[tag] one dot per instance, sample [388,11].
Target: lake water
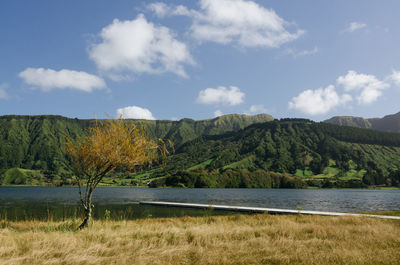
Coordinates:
[61,202]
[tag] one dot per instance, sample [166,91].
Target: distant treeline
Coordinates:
[230,178]
[243,178]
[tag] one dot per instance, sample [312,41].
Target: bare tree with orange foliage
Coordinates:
[112,145]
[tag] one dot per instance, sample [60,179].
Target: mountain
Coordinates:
[36,142]
[187,129]
[350,121]
[228,151]
[317,154]
[389,123]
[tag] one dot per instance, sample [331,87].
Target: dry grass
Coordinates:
[239,239]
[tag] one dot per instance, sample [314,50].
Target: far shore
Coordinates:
[168,187]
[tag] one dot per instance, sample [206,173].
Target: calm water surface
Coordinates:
[41,201]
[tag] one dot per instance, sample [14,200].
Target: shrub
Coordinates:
[15,176]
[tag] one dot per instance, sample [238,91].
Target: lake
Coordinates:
[61,202]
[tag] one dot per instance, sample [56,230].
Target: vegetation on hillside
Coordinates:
[220,152]
[320,154]
[36,142]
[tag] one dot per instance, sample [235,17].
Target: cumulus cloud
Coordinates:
[226,96]
[135,112]
[241,22]
[354,26]
[48,79]
[365,88]
[319,101]
[395,77]
[218,113]
[138,46]
[369,95]
[355,81]
[256,109]
[371,88]
[3,91]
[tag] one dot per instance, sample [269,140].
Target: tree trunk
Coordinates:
[88,214]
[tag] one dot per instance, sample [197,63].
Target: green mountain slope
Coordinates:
[350,121]
[315,152]
[228,151]
[389,123]
[36,142]
[187,129]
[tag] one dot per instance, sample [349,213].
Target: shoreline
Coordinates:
[167,187]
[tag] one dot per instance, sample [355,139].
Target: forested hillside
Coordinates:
[228,151]
[306,153]
[36,142]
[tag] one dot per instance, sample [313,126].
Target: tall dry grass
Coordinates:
[239,239]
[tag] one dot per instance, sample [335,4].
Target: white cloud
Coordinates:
[244,22]
[371,87]
[369,95]
[395,77]
[159,8]
[135,112]
[355,81]
[48,79]
[295,53]
[162,10]
[3,91]
[355,26]
[221,95]
[138,46]
[234,21]
[319,101]
[218,113]
[365,88]
[256,109]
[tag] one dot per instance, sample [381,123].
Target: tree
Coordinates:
[106,147]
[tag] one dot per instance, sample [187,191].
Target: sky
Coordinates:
[199,59]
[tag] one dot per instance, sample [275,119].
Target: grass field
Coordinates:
[238,239]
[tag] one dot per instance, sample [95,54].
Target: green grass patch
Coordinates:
[304,173]
[201,165]
[299,173]
[244,163]
[331,171]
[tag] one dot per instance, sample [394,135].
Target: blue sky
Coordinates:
[199,59]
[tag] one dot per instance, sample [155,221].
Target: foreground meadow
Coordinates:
[237,239]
